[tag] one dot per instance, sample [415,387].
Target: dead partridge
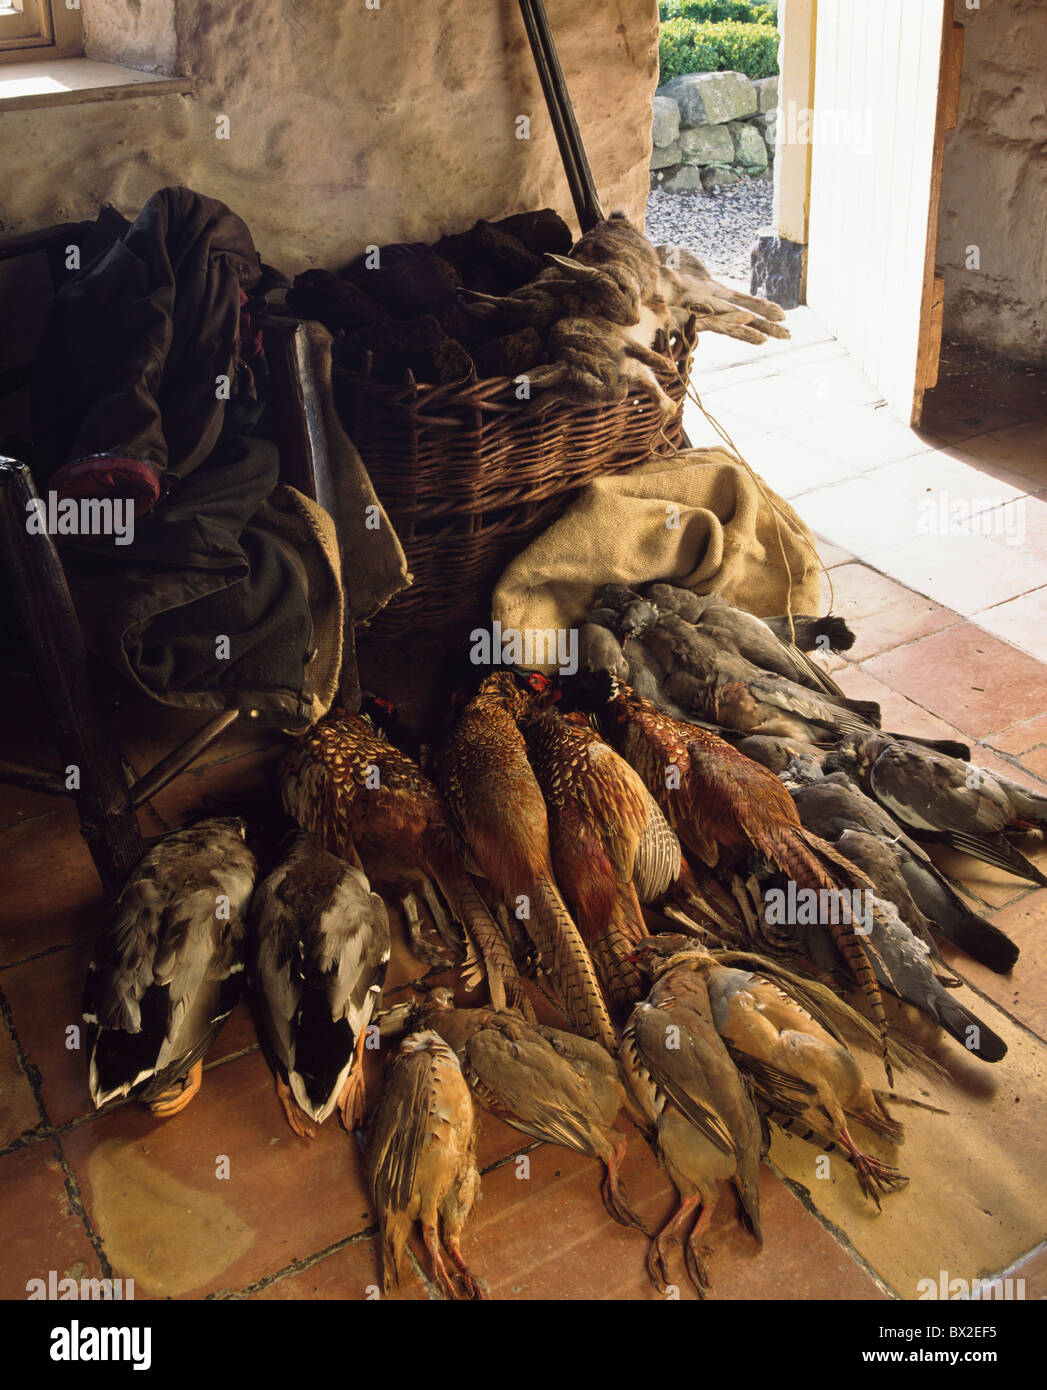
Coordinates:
[708,1129]
[797,1067]
[559,1094]
[421,1160]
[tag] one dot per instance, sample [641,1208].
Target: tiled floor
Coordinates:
[951,637]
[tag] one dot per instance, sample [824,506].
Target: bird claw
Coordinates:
[178,1096]
[657,1267]
[296,1117]
[699,1275]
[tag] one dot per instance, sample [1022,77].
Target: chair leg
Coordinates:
[45,607]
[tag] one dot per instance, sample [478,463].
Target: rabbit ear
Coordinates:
[576,268]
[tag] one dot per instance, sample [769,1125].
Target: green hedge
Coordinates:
[689,45]
[748,11]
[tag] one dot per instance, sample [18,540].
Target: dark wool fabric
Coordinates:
[128,370]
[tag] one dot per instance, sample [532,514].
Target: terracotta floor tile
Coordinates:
[41,1230]
[900,714]
[349,1273]
[980,683]
[1036,762]
[832,554]
[45,999]
[54,895]
[152,731]
[965,572]
[1021,523]
[882,613]
[549,1237]
[166,1219]
[953,412]
[1034,1272]
[1022,448]
[860,514]
[949,490]
[983,884]
[1023,993]
[1022,622]
[1020,737]
[838,379]
[862,437]
[974,1202]
[19,1112]
[793,469]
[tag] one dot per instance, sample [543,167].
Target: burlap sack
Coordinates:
[697,519]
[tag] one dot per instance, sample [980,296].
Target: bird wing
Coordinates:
[352,949]
[933,792]
[618,801]
[278,967]
[658,856]
[531,1086]
[399,1130]
[685,1072]
[807,705]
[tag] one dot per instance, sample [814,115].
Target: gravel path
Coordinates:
[719,226]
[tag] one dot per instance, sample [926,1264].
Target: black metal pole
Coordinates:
[561,112]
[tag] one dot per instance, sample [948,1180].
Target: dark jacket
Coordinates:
[140,352]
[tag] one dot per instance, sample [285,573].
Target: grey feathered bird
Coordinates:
[168,967]
[834,808]
[321,949]
[946,798]
[902,964]
[719,684]
[734,630]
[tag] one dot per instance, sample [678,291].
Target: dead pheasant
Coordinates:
[598,812]
[497,804]
[724,807]
[365,800]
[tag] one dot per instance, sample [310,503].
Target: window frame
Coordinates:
[54,31]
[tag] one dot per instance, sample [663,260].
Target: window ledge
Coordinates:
[70,81]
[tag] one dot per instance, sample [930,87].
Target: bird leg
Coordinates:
[741,896]
[352,1100]
[439,1270]
[178,1096]
[473,1287]
[440,918]
[420,947]
[657,1266]
[614,1197]
[299,1121]
[694,1250]
[872,1173]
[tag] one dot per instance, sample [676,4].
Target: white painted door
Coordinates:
[874,187]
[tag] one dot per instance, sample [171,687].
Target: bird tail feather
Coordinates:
[569,963]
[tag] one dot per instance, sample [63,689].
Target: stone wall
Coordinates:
[711,128]
[349,123]
[991,245]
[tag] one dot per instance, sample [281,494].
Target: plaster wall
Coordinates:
[347,125]
[994,189]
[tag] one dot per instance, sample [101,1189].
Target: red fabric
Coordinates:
[108,477]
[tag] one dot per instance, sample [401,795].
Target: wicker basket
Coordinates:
[469,477]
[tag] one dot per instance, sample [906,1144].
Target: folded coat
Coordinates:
[148,384]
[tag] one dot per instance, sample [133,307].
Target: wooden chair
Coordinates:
[106,796]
